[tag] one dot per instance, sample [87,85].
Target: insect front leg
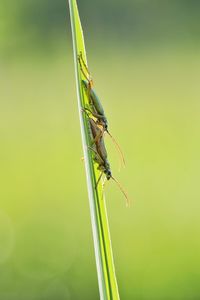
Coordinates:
[94,114]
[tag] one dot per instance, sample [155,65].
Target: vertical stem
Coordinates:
[102,244]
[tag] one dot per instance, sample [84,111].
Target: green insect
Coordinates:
[100,155]
[96,110]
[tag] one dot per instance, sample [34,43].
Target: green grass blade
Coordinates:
[101,236]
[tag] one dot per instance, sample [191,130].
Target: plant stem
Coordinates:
[102,244]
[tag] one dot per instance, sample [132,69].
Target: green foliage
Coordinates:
[138,21]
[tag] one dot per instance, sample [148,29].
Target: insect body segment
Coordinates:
[96,108]
[101,157]
[98,147]
[98,124]
[94,101]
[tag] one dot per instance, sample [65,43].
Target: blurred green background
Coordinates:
[145,60]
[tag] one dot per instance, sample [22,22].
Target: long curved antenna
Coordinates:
[117,147]
[123,191]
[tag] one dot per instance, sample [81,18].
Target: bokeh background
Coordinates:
[145,60]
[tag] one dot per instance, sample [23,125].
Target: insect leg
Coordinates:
[100,162]
[85,109]
[98,180]
[97,116]
[96,139]
[83,72]
[100,132]
[88,76]
[98,157]
[83,62]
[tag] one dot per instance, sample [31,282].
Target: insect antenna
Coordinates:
[123,191]
[118,148]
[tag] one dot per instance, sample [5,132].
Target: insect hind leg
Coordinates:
[82,71]
[82,64]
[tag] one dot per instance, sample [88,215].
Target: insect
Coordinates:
[96,110]
[101,157]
